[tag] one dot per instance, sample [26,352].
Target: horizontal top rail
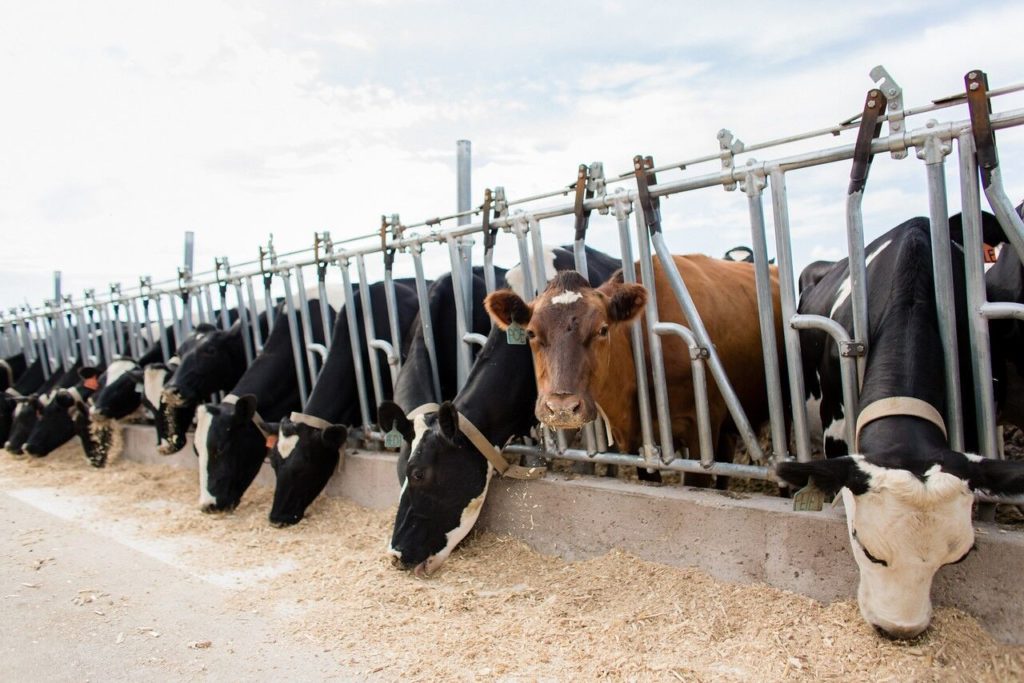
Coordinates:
[409,236]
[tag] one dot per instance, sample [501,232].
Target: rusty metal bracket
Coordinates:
[651,206]
[870,127]
[852,349]
[980,107]
[597,186]
[583,193]
[490,234]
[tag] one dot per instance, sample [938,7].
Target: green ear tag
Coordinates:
[515,335]
[809,499]
[393,439]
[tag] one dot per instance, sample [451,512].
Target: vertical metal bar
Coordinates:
[225,314]
[293,332]
[176,321]
[981,356]
[325,313]
[371,332]
[134,347]
[934,156]
[243,321]
[389,296]
[107,333]
[83,338]
[27,347]
[519,230]
[357,346]
[464,158]
[464,354]
[426,324]
[623,207]
[164,341]
[858,279]
[787,297]
[754,189]
[211,315]
[268,304]
[540,279]
[307,327]
[655,352]
[257,337]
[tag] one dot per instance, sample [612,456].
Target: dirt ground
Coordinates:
[109,574]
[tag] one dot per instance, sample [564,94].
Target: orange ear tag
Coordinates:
[92,384]
[989,252]
[271,441]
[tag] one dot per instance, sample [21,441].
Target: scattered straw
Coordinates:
[499,610]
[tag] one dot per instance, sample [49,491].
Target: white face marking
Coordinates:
[153,384]
[203,419]
[466,522]
[116,369]
[514,277]
[915,527]
[837,432]
[845,287]
[287,444]
[566,297]
[419,427]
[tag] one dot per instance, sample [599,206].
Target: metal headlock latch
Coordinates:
[221,264]
[115,297]
[597,186]
[145,289]
[389,252]
[651,206]
[268,254]
[894,94]
[324,239]
[980,107]
[500,204]
[490,234]
[583,193]
[729,146]
[184,275]
[870,127]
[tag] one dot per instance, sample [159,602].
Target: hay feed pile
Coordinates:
[498,610]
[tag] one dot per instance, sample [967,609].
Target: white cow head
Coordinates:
[906,520]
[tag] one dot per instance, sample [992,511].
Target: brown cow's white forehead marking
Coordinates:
[566,297]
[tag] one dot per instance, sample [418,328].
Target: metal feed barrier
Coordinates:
[65,329]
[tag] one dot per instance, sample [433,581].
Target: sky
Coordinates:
[124,124]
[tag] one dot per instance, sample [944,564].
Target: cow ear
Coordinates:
[245,408]
[999,477]
[87,372]
[448,420]
[334,436]
[625,300]
[828,475]
[505,307]
[390,416]
[64,399]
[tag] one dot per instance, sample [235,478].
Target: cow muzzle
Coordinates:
[563,410]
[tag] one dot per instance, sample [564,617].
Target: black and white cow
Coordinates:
[232,438]
[446,477]
[29,382]
[121,386]
[30,408]
[908,496]
[168,419]
[215,363]
[308,444]
[65,414]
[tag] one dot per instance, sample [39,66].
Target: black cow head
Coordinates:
[230,449]
[443,490]
[203,368]
[304,458]
[120,391]
[171,421]
[906,518]
[26,413]
[56,424]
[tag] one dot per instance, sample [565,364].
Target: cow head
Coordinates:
[231,450]
[120,391]
[204,367]
[304,458]
[56,423]
[904,524]
[171,422]
[26,413]
[444,487]
[569,327]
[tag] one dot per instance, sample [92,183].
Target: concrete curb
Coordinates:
[732,537]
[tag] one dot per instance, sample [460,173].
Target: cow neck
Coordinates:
[335,395]
[415,384]
[499,392]
[271,378]
[616,395]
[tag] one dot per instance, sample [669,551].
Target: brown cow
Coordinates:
[583,356]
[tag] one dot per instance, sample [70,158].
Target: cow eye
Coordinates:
[869,555]
[603,332]
[530,334]
[417,474]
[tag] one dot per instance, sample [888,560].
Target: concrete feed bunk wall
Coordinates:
[734,538]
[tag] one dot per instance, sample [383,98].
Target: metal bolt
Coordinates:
[892,92]
[871,103]
[972,75]
[975,85]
